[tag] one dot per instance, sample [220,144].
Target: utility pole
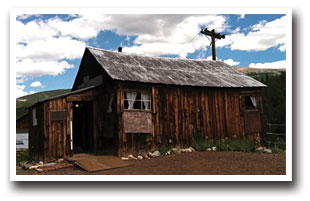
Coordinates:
[214,36]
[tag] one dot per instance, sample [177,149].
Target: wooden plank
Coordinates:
[80,98]
[177,124]
[120,120]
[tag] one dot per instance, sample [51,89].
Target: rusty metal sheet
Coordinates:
[137,122]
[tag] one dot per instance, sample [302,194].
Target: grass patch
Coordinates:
[235,144]
[200,143]
[163,150]
[276,150]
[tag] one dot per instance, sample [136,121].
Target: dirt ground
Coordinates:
[197,163]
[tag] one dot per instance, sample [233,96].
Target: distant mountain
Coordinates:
[25,101]
[248,70]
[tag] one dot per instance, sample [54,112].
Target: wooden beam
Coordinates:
[80,98]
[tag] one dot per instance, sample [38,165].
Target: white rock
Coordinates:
[175,149]
[33,167]
[131,157]
[125,158]
[213,148]
[60,160]
[155,154]
[193,150]
[260,148]
[41,163]
[269,151]
[140,157]
[209,149]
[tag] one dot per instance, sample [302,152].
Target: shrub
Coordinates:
[247,146]
[199,143]
[235,145]
[163,150]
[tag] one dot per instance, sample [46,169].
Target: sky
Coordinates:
[49,48]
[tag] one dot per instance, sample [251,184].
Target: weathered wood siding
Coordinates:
[181,113]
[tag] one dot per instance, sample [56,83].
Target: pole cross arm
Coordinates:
[214,36]
[212,33]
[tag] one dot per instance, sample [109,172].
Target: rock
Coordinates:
[140,157]
[154,154]
[145,155]
[188,150]
[193,150]
[260,149]
[131,157]
[213,148]
[269,151]
[41,163]
[47,165]
[125,158]
[175,150]
[209,149]
[33,167]
[169,152]
[61,160]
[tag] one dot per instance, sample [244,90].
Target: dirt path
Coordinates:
[197,163]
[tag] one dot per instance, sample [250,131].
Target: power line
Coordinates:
[188,43]
[200,49]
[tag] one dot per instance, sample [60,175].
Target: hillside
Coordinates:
[25,101]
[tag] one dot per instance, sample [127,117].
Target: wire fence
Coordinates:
[276,136]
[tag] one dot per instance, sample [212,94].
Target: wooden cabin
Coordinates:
[123,104]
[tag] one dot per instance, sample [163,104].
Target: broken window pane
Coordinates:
[250,102]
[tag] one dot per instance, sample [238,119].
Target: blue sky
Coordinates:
[49,47]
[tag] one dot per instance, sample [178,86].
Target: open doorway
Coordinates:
[83,137]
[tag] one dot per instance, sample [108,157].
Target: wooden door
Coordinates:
[249,110]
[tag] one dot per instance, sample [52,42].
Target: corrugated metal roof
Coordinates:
[187,72]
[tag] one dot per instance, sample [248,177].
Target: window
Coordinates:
[34,117]
[250,102]
[137,100]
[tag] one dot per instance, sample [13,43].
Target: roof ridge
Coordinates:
[151,56]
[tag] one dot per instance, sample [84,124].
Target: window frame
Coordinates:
[140,100]
[245,105]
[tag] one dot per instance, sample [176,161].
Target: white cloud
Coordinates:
[51,49]
[36,84]
[42,45]
[242,16]
[29,67]
[262,36]
[20,91]
[231,62]
[20,80]
[272,65]
[227,61]
[282,48]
